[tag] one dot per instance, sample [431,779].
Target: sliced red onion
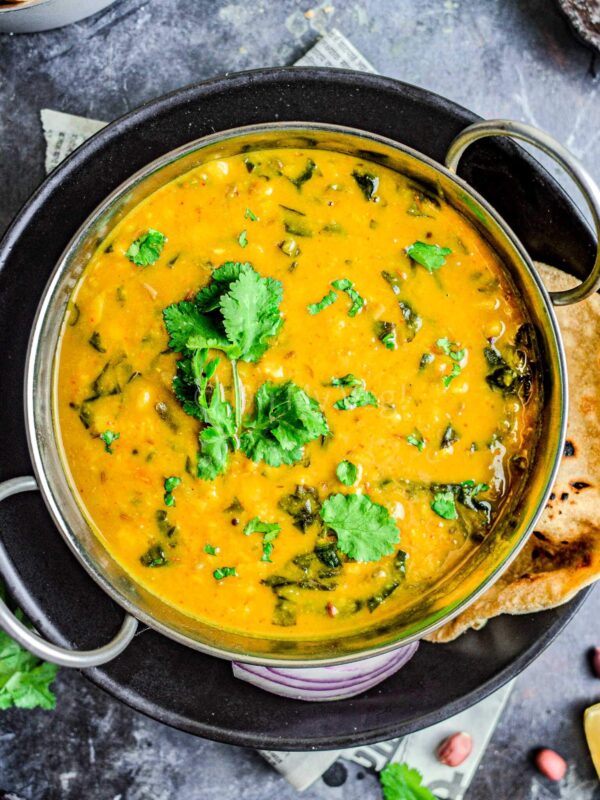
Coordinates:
[326,683]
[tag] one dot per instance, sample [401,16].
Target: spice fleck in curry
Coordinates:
[294,390]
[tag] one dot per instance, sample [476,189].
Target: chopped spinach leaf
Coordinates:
[303,505]
[170,485]
[154,557]
[305,175]
[270,531]
[444,505]
[96,342]
[347,380]
[386,333]
[449,437]
[367,183]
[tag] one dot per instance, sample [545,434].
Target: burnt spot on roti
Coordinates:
[579,486]
[569,451]
[564,496]
[574,555]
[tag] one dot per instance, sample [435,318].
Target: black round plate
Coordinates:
[170,682]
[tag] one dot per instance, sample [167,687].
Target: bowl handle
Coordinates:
[10,624]
[572,166]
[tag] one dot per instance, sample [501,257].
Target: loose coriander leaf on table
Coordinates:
[284,419]
[357,398]
[347,473]
[430,256]
[365,530]
[401,782]
[146,249]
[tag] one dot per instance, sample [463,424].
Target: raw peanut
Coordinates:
[596,661]
[455,749]
[550,764]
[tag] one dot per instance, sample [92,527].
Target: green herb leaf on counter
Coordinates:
[358,302]
[170,485]
[401,782]
[430,256]
[417,441]
[347,473]
[25,681]
[444,505]
[243,238]
[284,419]
[224,572]
[367,183]
[146,249]
[365,530]
[212,551]
[108,437]
[315,308]
[249,215]
[270,531]
[357,398]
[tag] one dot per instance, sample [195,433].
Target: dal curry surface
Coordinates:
[294,390]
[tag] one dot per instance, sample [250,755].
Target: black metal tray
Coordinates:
[167,681]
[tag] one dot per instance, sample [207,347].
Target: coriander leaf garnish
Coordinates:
[146,249]
[357,398]
[314,308]
[430,256]
[154,557]
[191,329]
[347,473]
[108,437]
[285,419]
[170,485]
[25,681]
[346,285]
[270,531]
[444,505]
[243,238]
[224,572]
[401,782]
[365,530]
[218,437]
[449,349]
[212,551]
[347,380]
[249,215]
[368,184]
[417,441]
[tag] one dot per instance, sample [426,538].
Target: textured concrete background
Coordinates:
[512,58]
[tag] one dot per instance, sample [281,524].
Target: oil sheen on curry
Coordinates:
[294,391]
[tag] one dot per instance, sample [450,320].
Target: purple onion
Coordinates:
[326,683]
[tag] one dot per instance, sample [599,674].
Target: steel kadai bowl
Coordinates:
[459,587]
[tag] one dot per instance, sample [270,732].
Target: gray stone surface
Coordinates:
[512,58]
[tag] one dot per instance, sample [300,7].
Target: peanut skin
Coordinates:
[455,749]
[551,764]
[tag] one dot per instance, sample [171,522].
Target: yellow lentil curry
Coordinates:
[294,389]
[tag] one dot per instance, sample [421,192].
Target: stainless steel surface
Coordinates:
[460,587]
[79,659]
[43,15]
[572,166]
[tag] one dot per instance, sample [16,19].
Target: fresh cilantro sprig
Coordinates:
[327,300]
[146,249]
[270,531]
[365,530]
[430,256]
[446,496]
[25,681]
[401,782]
[284,419]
